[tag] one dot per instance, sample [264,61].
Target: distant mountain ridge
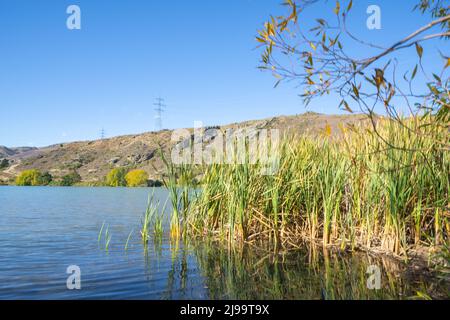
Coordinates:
[6,152]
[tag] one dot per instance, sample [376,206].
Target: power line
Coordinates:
[159,111]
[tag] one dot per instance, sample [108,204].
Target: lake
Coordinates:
[45,230]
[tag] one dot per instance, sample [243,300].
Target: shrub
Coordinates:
[46,179]
[116,178]
[154,183]
[29,178]
[70,179]
[4,164]
[136,178]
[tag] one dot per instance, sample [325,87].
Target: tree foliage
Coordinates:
[33,177]
[46,178]
[321,59]
[136,178]
[116,177]
[70,179]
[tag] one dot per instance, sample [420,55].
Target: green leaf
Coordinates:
[346,106]
[321,21]
[414,72]
[350,5]
[437,78]
[277,83]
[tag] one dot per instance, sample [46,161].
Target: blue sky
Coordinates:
[59,85]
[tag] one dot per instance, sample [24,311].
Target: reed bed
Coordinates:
[152,220]
[386,190]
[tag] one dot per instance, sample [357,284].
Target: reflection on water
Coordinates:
[311,273]
[44,230]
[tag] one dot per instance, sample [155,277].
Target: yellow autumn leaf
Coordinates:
[419,50]
[448,63]
[338,8]
[328,130]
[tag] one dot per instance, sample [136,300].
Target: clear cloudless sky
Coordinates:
[59,85]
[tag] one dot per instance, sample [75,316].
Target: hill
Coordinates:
[9,152]
[94,159]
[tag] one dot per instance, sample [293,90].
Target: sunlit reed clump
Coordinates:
[180,183]
[386,189]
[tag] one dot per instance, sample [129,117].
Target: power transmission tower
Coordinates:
[159,111]
[102,134]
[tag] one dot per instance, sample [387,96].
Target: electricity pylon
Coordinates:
[159,111]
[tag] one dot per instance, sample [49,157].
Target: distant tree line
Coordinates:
[117,177]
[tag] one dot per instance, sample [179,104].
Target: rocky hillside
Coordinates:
[94,159]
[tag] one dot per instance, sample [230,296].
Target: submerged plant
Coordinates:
[146,220]
[107,236]
[107,239]
[101,232]
[158,223]
[153,219]
[128,240]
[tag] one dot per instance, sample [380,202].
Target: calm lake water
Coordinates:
[45,230]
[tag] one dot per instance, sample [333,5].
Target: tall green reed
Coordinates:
[355,190]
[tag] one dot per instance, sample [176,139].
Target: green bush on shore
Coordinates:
[70,179]
[46,179]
